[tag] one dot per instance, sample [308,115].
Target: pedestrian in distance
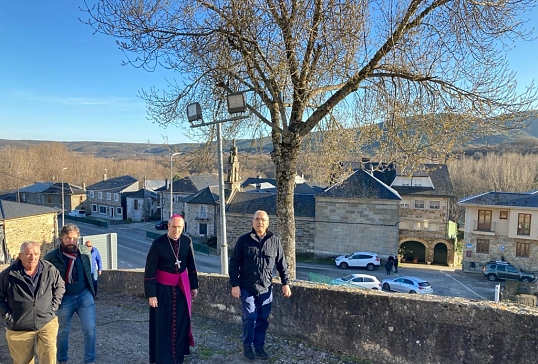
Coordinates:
[388,266]
[396,264]
[97,265]
[170,284]
[30,293]
[253,260]
[74,264]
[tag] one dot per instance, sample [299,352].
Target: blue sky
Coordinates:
[61,82]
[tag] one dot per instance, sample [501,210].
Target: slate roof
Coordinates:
[69,189]
[442,184]
[13,210]
[113,184]
[37,187]
[509,199]
[361,184]
[257,180]
[250,202]
[205,196]
[204,180]
[141,193]
[183,186]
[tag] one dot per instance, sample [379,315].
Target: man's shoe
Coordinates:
[261,353]
[249,354]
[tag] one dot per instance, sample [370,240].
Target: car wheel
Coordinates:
[370,266]
[525,279]
[386,286]
[492,277]
[343,265]
[374,288]
[412,292]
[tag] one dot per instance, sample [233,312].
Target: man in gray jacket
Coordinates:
[31,290]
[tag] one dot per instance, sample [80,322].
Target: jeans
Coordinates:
[256,310]
[84,305]
[95,275]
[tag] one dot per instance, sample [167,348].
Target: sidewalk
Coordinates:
[122,338]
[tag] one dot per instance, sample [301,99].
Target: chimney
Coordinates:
[84,186]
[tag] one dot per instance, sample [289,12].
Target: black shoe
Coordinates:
[249,354]
[261,353]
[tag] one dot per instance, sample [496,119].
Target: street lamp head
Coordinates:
[174,154]
[194,112]
[236,103]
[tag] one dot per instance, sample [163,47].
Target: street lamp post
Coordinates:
[172,183]
[236,104]
[18,187]
[63,206]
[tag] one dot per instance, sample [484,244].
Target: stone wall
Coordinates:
[40,228]
[349,225]
[376,326]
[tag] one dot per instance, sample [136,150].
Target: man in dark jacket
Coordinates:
[30,293]
[253,260]
[74,264]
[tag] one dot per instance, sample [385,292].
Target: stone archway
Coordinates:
[413,251]
[440,254]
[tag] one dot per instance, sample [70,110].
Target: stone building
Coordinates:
[20,222]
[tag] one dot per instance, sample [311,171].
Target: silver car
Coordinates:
[366,260]
[407,284]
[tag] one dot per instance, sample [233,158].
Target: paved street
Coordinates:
[446,281]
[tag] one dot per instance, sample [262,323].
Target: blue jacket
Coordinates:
[96,260]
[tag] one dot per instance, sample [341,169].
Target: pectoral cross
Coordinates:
[178,262]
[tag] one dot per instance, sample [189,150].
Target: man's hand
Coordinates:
[152,302]
[194,293]
[236,291]
[286,291]
[99,272]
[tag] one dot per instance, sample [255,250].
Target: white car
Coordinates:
[407,284]
[77,213]
[358,280]
[366,260]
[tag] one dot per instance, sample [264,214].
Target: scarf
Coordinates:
[71,275]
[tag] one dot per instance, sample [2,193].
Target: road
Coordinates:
[133,247]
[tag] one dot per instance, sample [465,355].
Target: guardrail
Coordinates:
[100,223]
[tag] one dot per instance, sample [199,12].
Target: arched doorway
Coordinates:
[440,254]
[412,251]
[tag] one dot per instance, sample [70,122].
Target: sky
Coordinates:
[61,82]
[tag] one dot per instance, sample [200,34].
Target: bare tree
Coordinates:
[433,72]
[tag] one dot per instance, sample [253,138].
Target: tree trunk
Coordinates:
[286,170]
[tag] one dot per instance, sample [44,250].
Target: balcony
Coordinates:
[484,227]
[203,216]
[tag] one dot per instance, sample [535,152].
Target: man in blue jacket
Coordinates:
[253,260]
[74,264]
[30,293]
[97,265]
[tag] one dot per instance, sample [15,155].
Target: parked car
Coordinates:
[495,270]
[407,284]
[358,280]
[366,260]
[161,225]
[77,213]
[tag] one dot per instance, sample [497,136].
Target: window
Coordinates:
[202,212]
[202,229]
[102,209]
[523,249]
[482,246]
[406,182]
[404,204]
[417,225]
[484,220]
[419,204]
[100,195]
[523,224]
[38,198]
[135,204]
[435,205]
[49,198]
[94,207]
[119,211]
[503,215]
[116,197]
[108,196]
[90,194]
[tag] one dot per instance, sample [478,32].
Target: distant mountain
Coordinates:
[141,150]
